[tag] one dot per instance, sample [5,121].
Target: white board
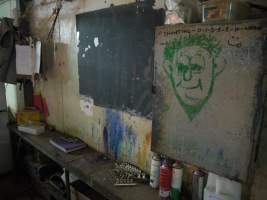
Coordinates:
[208,94]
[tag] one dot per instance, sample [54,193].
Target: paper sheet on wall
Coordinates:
[37,57]
[24,60]
[86,104]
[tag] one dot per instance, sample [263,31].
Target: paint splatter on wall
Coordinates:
[117,135]
[123,141]
[144,149]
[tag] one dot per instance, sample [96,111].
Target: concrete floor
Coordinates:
[16,187]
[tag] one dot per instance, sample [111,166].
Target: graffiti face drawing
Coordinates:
[191,69]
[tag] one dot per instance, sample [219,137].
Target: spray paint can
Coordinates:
[198,185]
[177,177]
[155,171]
[165,180]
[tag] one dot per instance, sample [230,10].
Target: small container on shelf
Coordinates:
[220,10]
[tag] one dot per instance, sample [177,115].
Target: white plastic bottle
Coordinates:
[220,188]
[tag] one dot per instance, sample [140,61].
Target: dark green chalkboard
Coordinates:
[117,73]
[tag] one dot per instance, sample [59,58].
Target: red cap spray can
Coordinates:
[165,179]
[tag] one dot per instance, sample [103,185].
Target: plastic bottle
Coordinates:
[221,188]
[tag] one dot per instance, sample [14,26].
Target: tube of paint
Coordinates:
[165,179]
[155,171]
[177,177]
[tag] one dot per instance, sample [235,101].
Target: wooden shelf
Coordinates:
[90,167]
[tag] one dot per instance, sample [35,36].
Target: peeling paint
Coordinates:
[96,41]
[78,37]
[86,105]
[143,151]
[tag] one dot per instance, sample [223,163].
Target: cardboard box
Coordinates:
[219,10]
[28,116]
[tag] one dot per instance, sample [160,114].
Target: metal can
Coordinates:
[165,180]
[155,171]
[198,185]
[177,177]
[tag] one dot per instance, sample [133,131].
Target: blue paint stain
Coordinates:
[105,138]
[220,153]
[220,156]
[130,138]
[116,133]
[113,135]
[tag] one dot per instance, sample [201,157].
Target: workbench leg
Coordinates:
[18,150]
[67,178]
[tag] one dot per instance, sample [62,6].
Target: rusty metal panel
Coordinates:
[207,108]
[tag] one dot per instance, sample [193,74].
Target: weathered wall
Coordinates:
[62,92]
[120,134]
[8,9]
[259,188]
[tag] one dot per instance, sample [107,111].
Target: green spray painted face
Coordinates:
[190,66]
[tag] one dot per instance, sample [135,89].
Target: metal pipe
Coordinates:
[67,178]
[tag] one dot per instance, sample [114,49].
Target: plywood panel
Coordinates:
[208,94]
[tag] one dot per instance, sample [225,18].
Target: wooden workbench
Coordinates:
[89,166]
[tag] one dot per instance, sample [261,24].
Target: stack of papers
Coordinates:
[32,129]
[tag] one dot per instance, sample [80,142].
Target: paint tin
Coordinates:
[198,185]
[165,180]
[177,177]
[155,171]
